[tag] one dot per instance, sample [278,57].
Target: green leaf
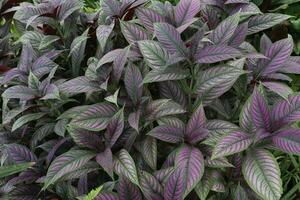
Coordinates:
[26,118]
[262,173]
[93,193]
[124,165]
[13,169]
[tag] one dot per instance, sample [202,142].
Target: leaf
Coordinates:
[174,187]
[239,35]
[186,10]
[191,162]
[85,138]
[150,186]
[115,128]
[127,190]
[205,185]
[172,90]
[154,54]
[19,92]
[245,118]
[162,107]
[232,143]
[105,160]
[60,127]
[260,111]
[119,63]
[170,38]
[103,32]
[107,196]
[149,151]
[287,140]
[111,8]
[195,129]
[26,119]
[225,30]
[81,84]
[262,173]
[134,119]
[167,133]
[261,22]
[148,17]
[213,54]
[133,32]
[215,81]
[93,193]
[286,111]
[279,88]
[167,74]
[124,165]
[277,54]
[95,118]
[67,8]
[77,50]
[65,164]
[13,169]
[20,154]
[134,83]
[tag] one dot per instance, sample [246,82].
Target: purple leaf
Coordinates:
[195,129]
[239,35]
[134,119]
[85,138]
[111,7]
[150,186]
[260,111]
[167,133]
[186,10]
[232,143]
[174,188]
[20,154]
[133,32]
[148,17]
[162,175]
[277,54]
[114,128]
[170,38]
[134,83]
[95,117]
[265,43]
[20,92]
[225,30]
[103,32]
[286,111]
[288,140]
[107,196]
[191,162]
[52,152]
[171,90]
[245,118]
[213,54]
[105,160]
[127,190]
[119,63]
[25,192]
[279,88]
[81,84]
[65,164]
[261,22]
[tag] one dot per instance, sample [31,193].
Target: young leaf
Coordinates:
[262,173]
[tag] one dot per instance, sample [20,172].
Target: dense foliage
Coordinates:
[132,100]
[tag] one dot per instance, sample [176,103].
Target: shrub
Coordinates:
[137,100]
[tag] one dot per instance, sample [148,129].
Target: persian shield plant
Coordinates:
[133,100]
